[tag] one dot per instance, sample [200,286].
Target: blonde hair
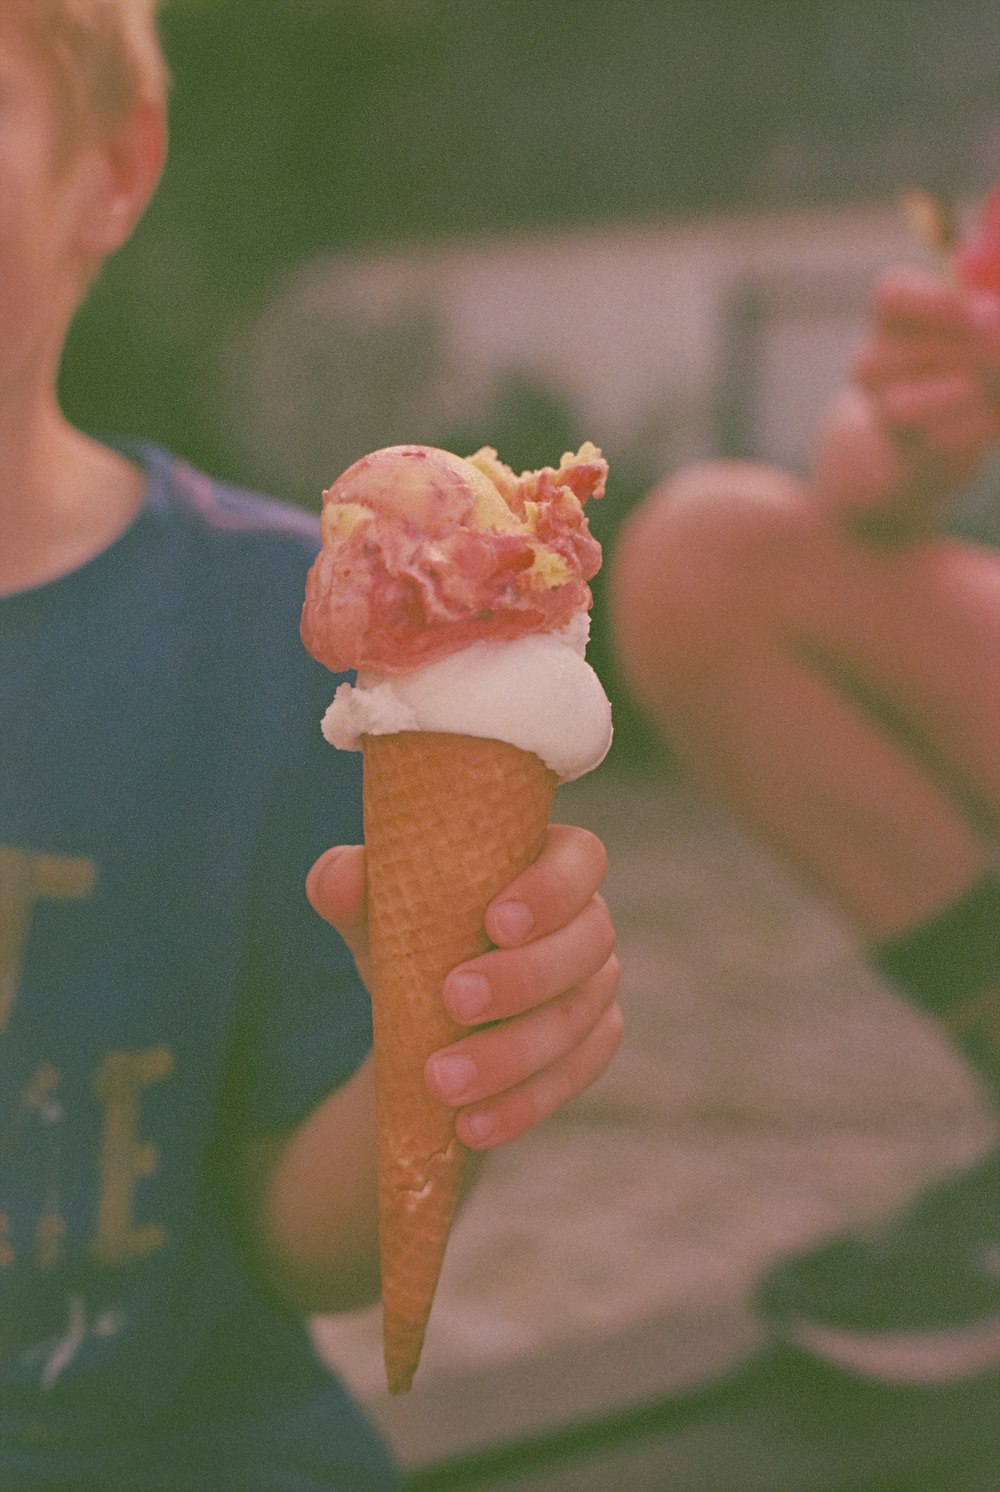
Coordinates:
[104,55]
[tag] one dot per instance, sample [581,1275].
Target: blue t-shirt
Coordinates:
[164,984]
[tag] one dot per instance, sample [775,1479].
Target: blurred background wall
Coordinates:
[652,223]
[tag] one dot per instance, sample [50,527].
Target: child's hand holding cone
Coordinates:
[546,1020]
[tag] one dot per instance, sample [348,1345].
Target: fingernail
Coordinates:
[511,921]
[480,1126]
[467,995]
[452,1074]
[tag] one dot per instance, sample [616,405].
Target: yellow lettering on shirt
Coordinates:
[27,878]
[125,1157]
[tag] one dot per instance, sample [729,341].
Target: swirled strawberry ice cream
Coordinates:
[458,591]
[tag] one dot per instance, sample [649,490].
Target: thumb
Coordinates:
[335,887]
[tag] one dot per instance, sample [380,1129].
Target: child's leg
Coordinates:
[843,699]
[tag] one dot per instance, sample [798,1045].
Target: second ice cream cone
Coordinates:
[450,820]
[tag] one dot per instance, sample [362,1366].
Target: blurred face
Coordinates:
[42,202]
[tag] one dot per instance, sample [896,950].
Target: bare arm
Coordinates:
[308,1204]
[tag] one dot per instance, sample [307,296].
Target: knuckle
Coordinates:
[598,850]
[529,989]
[602,927]
[537,1099]
[587,1063]
[562,1087]
[583,1007]
[519,1112]
[607,1036]
[614,1019]
[516,978]
[575,1012]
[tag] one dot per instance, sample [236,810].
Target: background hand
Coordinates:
[924,408]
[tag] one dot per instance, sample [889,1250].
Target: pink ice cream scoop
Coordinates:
[425,553]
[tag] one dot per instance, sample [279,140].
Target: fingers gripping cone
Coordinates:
[450,820]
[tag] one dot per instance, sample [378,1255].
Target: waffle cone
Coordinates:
[450,820]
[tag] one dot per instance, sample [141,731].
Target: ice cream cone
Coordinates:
[450,820]
[456,591]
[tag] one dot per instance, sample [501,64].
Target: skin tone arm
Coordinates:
[550,984]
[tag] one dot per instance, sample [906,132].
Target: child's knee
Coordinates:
[719,517]
[698,561]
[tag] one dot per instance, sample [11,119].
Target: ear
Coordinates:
[123,166]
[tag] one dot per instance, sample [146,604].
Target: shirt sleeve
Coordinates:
[304,1023]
